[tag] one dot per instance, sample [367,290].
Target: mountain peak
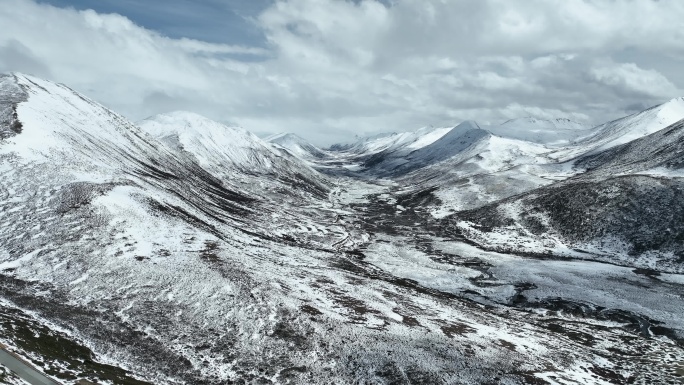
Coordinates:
[459,139]
[180,116]
[190,124]
[672,108]
[459,130]
[469,124]
[534,122]
[284,136]
[679,99]
[296,145]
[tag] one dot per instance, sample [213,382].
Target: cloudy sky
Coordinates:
[333,69]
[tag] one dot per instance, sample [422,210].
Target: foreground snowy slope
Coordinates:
[101,207]
[193,253]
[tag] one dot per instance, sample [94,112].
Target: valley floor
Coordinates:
[396,297]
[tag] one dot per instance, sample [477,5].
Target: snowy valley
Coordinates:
[178,250]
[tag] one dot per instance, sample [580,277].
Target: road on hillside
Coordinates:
[23,369]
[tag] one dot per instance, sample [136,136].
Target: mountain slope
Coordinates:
[86,143]
[624,130]
[494,169]
[236,156]
[210,142]
[393,142]
[103,218]
[662,151]
[404,159]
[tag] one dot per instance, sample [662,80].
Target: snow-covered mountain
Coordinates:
[624,130]
[559,140]
[627,207]
[418,153]
[297,146]
[183,251]
[462,138]
[210,142]
[108,218]
[660,153]
[392,142]
[551,132]
[233,154]
[464,166]
[486,164]
[494,169]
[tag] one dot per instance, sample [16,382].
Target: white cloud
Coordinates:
[336,68]
[628,77]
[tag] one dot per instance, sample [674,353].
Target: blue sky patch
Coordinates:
[215,21]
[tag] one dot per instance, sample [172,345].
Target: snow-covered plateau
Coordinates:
[178,250]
